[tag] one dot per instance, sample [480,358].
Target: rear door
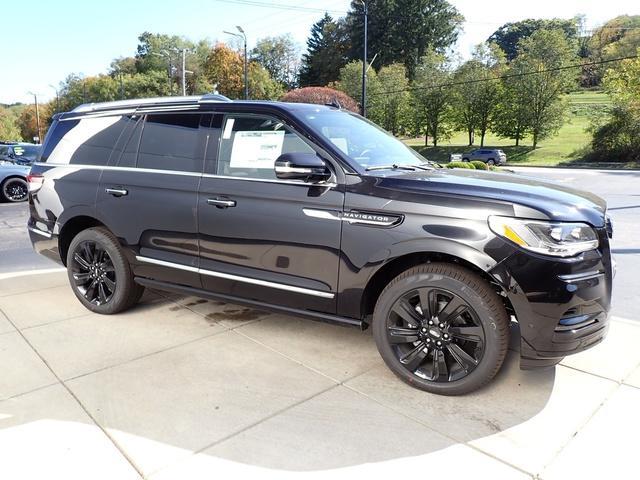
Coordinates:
[261,238]
[148,195]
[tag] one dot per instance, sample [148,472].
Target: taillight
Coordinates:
[35,182]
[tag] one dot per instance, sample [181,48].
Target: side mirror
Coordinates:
[301,166]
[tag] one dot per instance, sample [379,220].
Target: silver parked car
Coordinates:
[13,182]
[490,156]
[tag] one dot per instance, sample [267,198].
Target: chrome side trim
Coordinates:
[187,174]
[355,218]
[37,231]
[237,278]
[579,277]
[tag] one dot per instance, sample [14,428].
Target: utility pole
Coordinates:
[35,101]
[184,72]
[363,107]
[246,64]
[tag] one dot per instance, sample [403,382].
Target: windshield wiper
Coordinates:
[392,167]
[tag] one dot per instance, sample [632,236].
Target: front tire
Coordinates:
[491,162]
[441,328]
[99,273]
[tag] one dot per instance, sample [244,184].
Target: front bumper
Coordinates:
[561,305]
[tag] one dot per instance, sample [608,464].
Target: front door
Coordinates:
[260,237]
[148,195]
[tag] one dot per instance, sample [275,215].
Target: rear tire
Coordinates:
[100,274]
[465,159]
[441,328]
[491,162]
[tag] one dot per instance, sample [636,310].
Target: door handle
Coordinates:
[221,202]
[117,192]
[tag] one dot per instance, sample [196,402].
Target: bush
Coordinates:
[461,165]
[320,96]
[478,165]
[618,140]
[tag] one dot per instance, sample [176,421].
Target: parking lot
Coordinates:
[181,387]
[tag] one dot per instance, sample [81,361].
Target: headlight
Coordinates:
[549,238]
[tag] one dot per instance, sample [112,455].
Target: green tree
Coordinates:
[619,37]
[509,35]
[512,112]
[390,106]
[433,97]
[351,83]
[618,138]
[280,57]
[542,58]
[261,85]
[403,31]
[9,129]
[326,53]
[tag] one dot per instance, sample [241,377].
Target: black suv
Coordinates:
[310,210]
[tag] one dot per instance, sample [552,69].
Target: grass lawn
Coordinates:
[564,148]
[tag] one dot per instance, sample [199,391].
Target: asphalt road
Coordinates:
[620,189]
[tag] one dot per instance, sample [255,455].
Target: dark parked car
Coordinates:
[313,211]
[19,153]
[490,156]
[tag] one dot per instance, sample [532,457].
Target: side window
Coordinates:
[171,142]
[250,146]
[126,152]
[95,139]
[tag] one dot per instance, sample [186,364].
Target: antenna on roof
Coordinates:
[335,104]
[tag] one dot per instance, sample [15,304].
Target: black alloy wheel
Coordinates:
[441,328]
[93,273]
[15,190]
[435,334]
[99,272]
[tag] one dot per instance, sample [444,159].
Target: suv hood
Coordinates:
[553,200]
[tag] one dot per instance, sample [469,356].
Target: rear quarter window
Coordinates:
[85,141]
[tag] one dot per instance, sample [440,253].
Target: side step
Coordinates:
[318,316]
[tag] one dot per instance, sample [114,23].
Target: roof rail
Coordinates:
[214,97]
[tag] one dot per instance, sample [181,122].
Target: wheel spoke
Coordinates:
[428,302]
[452,310]
[81,278]
[413,358]
[402,335]
[439,366]
[99,255]
[111,285]
[90,292]
[466,361]
[467,333]
[102,295]
[88,254]
[81,261]
[404,309]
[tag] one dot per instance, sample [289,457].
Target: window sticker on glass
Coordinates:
[341,143]
[256,149]
[228,129]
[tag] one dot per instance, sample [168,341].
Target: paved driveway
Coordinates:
[186,388]
[181,388]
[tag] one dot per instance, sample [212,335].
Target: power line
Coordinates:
[256,3]
[510,75]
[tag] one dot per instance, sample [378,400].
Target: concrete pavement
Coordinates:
[182,388]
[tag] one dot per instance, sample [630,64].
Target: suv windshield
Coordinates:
[361,140]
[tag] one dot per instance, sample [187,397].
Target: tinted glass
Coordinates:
[28,153]
[250,146]
[359,139]
[170,142]
[87,141]
[126,152]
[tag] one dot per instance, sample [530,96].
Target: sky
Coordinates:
[50,40]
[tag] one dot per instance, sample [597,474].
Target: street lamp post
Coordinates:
[167,55]
[57,98]
[35,101]
[246,65]
[363,107]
